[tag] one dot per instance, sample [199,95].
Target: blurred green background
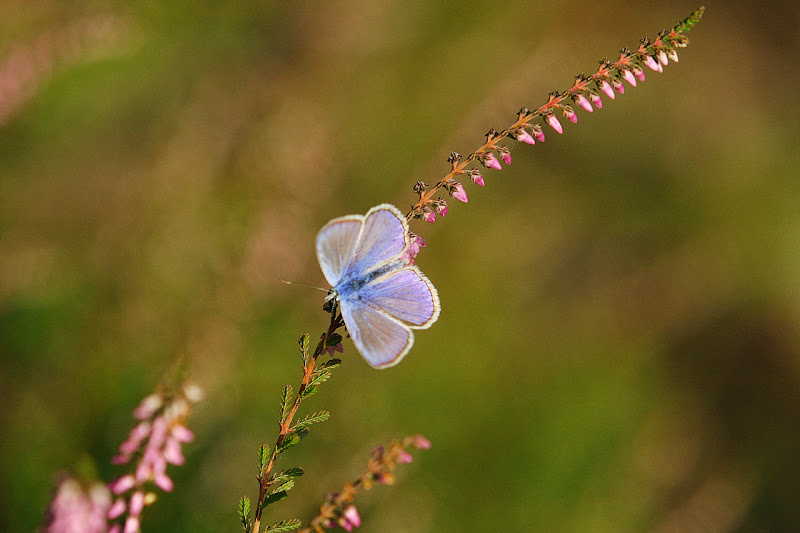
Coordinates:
[619,344]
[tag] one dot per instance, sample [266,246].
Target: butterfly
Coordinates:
[382,297]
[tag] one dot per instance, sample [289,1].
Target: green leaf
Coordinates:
[284,525]
[244,513]
[292,439]
[308,391]
[274,497]
[330,364]
[286,400]
[288,474]
[263,457]
[286,487]
[319,416]
[304,341]
[320,376]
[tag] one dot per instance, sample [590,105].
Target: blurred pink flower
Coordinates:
[490,161]
[75,510]
[458,192]
[584,103]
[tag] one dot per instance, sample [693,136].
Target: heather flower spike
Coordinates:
[338,510]
[154,443]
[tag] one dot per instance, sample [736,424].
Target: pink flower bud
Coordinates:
[132,525]
[163,482]
[490,161]
[538,132]
[350,513]
[628,76]
[420,442]
[639,73]
[584,103]
[571,115]
[115,529]
[618,86]
[137,503]
[477,179]
[194,393]
[652,64]
[662,58]
[458,192]
[524,136]
[673,55]
[429,216]
[182,433]
[122,484]
[148,407]
[553,122]
[415,243]
[506,156]
[441,209]
[596,100]
[606,88]
[345,524]
[117,508]
[404,457]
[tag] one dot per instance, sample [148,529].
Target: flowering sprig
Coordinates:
[585,93]
[77,508]
[274,486]
[152,444]
[338,510]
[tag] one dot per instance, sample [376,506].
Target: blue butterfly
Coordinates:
[381,296]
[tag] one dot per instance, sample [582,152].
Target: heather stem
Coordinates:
[264,480]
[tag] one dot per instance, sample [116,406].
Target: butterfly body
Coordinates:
[381,296]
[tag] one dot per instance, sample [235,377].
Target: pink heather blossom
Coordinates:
[628,76]
[117,508]
[416,242]
[618,86]
[639,73]
[148,407]
[490,161]
[652,64]
[350,514]
[115,529]
[525,137]
[673,55]
[596,100]
[429,216]
[132,525]
[163,481]
[459,193]
[553,122]
[404,457]
[346,525]
[74,510]
[182,433]
[538,132]
[506,156]
[477,179]
[584,103]
[441,209]
[571,115]
[123,484]
[662,57]
[420,442]
[168,453]
[137,503]
[607,90]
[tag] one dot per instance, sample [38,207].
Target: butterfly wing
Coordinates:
[336,244]
[381,339]
[405,294]
[383,239]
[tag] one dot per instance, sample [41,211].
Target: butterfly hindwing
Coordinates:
[382,340]
[405,294]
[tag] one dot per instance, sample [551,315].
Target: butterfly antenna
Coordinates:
[303,284]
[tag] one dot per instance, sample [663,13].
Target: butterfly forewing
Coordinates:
[336,243]
[383,239]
